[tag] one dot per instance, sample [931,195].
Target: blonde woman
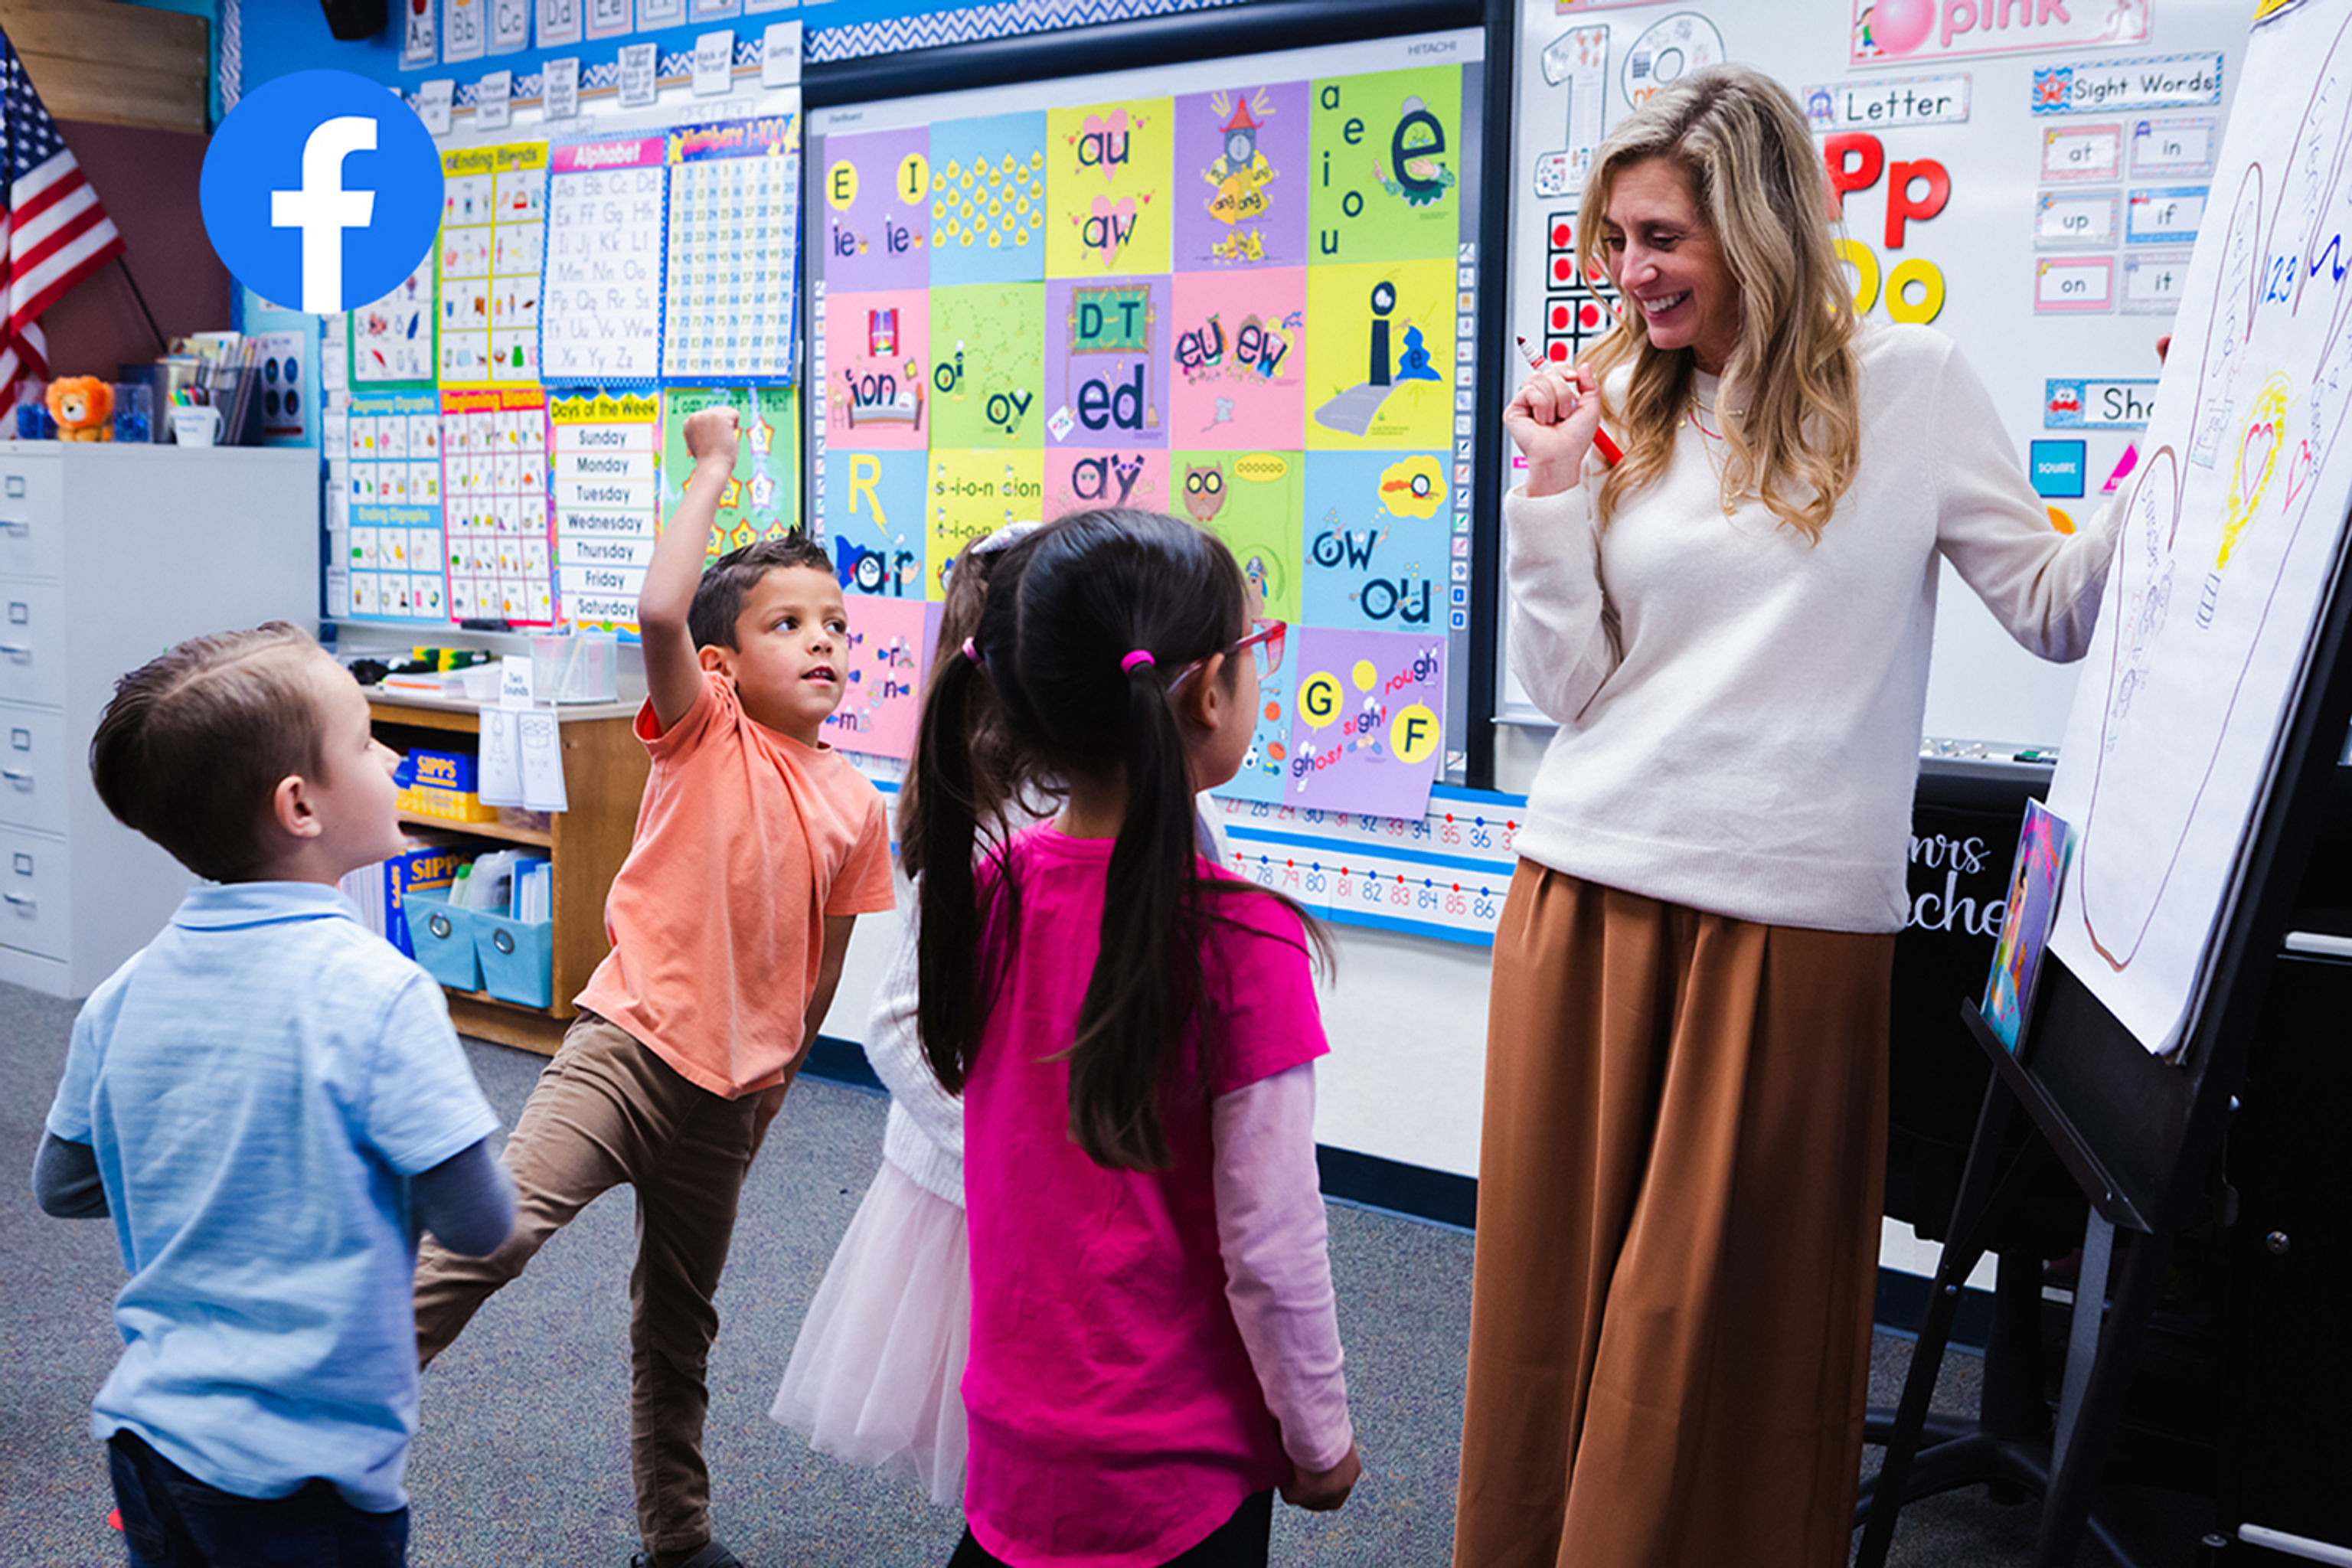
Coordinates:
[1685,1082]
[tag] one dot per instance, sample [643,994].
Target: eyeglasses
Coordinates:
[1265,640]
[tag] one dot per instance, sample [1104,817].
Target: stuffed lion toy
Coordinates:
[83,408]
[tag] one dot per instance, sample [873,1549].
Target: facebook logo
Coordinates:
[321,191]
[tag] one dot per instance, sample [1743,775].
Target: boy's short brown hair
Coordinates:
[718,597]
[194,741]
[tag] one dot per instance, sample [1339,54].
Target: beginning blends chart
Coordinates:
[494,462]
[600,316]
[493,240]
[1241,292]
[734,243]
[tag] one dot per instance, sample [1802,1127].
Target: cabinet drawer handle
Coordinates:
[20,652]
[21,777]
[22,900]
[16,526]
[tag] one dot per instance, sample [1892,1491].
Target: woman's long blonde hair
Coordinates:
[1744,146]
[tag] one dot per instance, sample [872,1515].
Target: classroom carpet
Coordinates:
[523,1456]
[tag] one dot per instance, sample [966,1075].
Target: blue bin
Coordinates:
[518,958]
[444,938]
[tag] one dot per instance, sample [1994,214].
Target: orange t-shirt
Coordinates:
[746,839]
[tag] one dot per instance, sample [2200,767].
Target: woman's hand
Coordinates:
[1553,419]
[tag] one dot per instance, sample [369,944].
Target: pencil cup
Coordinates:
[578,667]
[196,427]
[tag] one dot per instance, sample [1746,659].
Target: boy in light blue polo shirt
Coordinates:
[270,1102]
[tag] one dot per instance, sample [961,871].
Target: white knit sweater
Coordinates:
[924,1134]
[1740,708]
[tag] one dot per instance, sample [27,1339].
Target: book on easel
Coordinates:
[2041,867]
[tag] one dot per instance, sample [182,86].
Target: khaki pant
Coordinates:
[607,1110]
[1678,1200]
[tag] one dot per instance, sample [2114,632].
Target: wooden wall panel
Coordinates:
[113,64]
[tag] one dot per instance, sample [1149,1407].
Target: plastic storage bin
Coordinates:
[518,957]
[444,938]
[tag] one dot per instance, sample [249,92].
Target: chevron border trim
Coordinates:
[971,24]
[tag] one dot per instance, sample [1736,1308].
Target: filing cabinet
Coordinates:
[108,554]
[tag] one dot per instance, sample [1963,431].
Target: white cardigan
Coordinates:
[1740,708]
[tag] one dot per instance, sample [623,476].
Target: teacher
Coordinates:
[1685,1104]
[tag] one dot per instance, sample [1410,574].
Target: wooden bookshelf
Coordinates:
[604,769]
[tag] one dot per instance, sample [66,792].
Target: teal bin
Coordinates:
[518,957]
[444,938]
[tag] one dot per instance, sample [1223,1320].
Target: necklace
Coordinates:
[1717,466]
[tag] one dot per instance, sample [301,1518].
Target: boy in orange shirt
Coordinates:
[757,848]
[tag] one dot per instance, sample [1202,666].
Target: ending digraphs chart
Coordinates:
[2228,541]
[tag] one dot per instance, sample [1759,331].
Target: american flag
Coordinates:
[56,234]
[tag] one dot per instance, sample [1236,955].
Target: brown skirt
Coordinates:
[1678,1218]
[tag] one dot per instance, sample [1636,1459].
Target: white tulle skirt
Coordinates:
[876,1377]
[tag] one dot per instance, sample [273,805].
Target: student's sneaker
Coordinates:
[713,1555]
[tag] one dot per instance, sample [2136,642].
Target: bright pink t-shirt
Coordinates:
[1115,1419]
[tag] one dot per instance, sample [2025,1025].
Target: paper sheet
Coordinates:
[499,775]
[541,743]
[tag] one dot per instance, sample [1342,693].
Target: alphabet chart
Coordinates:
[1240,291]
[734,250]
[393,544]
[493,238]
[494,460]
[2026,180]
[600,314]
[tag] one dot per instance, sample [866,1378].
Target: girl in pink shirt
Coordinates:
[1154,1350]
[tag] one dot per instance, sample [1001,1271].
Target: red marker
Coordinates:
[1611,453]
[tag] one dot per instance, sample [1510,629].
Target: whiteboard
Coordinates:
[2229,543]
[2075,146]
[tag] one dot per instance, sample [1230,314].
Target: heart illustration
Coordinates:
[2298,474]
[2254,458]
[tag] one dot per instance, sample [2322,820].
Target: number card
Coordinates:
[601,293]
[734,250]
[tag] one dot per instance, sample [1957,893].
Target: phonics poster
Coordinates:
[883,665]
[1238,291]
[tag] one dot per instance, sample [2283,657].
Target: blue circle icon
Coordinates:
[321,191]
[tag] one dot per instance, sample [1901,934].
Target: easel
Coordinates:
[2140,1135]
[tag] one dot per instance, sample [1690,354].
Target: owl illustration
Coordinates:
[1205,491]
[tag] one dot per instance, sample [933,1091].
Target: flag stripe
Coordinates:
[52,231]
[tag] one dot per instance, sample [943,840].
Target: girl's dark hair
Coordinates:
[999,777]
[1063,608]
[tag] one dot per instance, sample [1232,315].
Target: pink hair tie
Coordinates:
[970,652]
[1141,655]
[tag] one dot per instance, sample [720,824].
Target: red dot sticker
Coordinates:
[1563,237]
[1563,269]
